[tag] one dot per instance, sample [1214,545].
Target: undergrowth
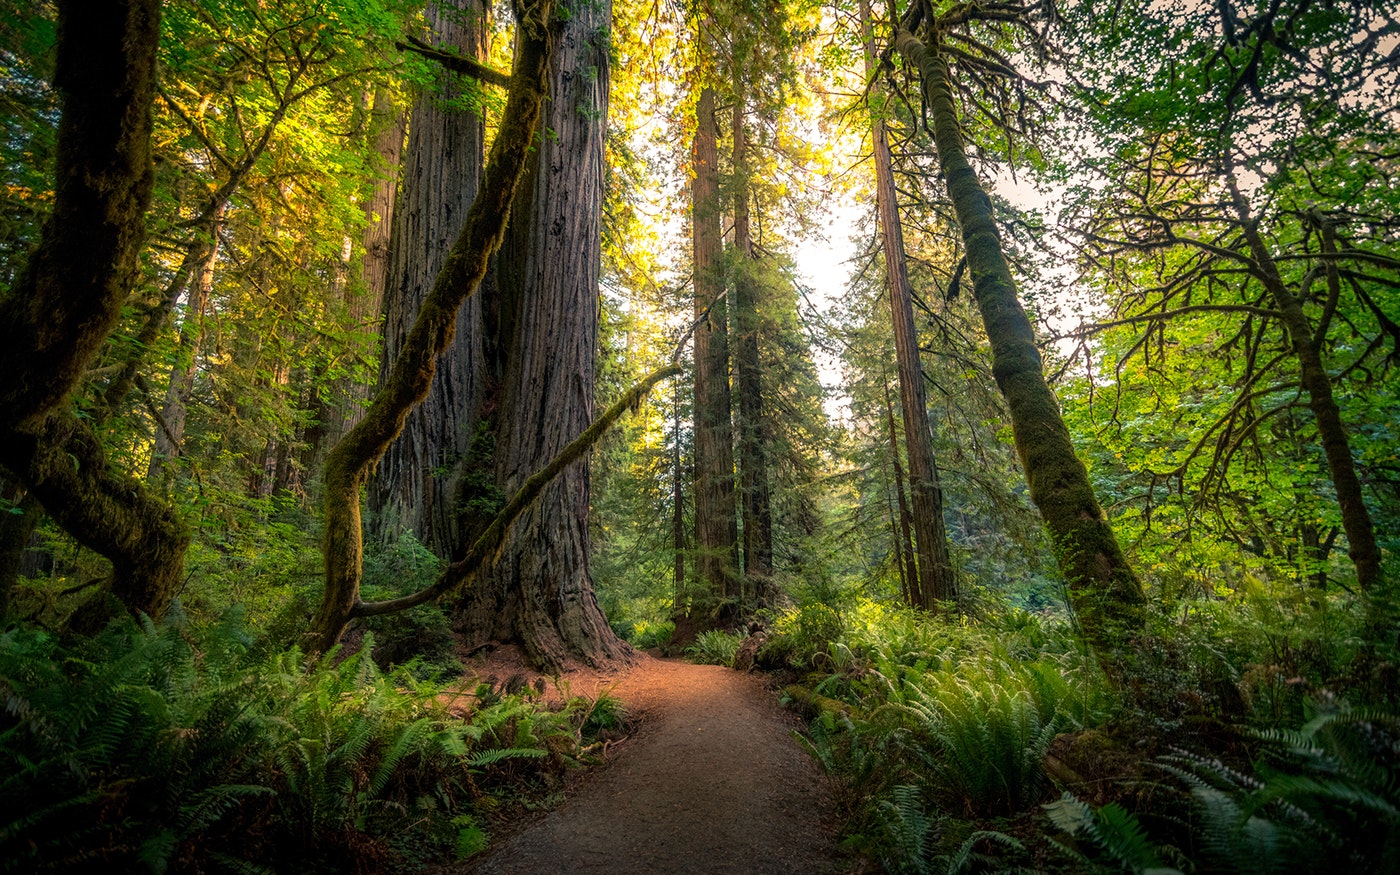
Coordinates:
[937,730]
[175,748]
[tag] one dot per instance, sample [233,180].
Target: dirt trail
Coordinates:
[713,782]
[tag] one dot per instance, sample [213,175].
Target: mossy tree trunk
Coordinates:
[413,489]
[538,591]
[1336,446]
[1104,592]
[936,581]
[410,378]
[70,294]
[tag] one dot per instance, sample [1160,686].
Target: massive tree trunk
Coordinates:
[411,376]
[748,374]
[1356,519]
[413,490]
[677,506]
[936,581]
[716,531]
[538,590]
[1103,590]
[70,296]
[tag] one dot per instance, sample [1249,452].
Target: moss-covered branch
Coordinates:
[70,295]
[456,63]
[1104,591]
[491,540]
[351,459]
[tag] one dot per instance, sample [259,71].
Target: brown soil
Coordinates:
[712,781]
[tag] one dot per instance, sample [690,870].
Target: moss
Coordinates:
[1104,591]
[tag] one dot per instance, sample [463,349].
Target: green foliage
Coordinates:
[420,639]
[949,717]
[1321,798]
[715,647]
[170,744]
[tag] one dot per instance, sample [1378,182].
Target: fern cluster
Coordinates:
[926,721]
[714,647]
[1322,798]
[155,748]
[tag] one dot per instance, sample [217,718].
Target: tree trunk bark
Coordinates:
[70,294]
[538,590]
[677,506]
[748,373]
[716,531]
[415,485]
[1103,590]
[411,377]
[936,582]
[1356,519]
[908,570]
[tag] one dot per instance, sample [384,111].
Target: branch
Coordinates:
[456,63]
[490,540]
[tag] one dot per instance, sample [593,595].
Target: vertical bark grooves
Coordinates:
[936,581]
[1104,591]
[716,532]
[1356,520]
[748,374]
[677,504]
[410,378]
[538,590]
[412,490]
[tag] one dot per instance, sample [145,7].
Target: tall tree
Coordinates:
[540,344]
[1104,592]
[716,530]
[415,486]
[410,378]
[1253,210]
[936,581]
[753,438]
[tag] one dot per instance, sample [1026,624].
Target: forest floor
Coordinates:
[710,780]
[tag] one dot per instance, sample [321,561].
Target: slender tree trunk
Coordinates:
[538,590]
[170,435]
[416,481]
[913,593]
[937,581]
[411,377]
[1356,519]
[1103,590]
[748,372]
[716,531]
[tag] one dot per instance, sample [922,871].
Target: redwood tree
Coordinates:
[541,328]
[414,486]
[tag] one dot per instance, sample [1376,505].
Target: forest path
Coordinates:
[712,782]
